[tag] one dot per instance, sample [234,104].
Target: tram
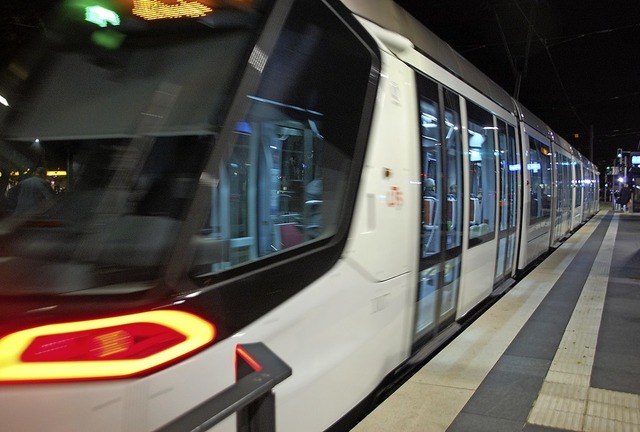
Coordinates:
[327,178]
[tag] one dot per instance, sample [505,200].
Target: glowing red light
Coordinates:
[248,359]
[128,341]
[115,347]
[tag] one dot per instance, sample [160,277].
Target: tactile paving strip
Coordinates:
[566,401]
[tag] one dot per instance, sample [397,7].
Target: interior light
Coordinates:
[534,166]
[115,347]
[57,173]
[243,128]
[476,140]
[4,101]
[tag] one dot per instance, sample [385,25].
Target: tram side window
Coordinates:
[559,184]
[514,168]
[441,211]
[566,168]
[430,150]
[587,187]
[482,167]
[539,168]
[563,166]
[453,148]
[578,185]
[508,172]
[284,184]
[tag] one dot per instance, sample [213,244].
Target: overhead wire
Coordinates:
[544,43]
[567,39]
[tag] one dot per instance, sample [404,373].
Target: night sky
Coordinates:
[577,62]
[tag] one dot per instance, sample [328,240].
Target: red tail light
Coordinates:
[104,348]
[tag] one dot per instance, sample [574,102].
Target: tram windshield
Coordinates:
[115,145]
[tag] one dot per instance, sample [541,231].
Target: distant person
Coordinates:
[624,196]
[453,192]
[616,199]
[33,191]
[5,207]
[430,189]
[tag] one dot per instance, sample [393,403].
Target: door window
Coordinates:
[482,175]
[441,215]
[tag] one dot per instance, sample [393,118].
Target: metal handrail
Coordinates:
[251,396]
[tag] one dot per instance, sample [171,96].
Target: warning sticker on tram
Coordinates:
[394,197]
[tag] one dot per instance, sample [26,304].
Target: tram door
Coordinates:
[441,209]
[562,220]
[509,163]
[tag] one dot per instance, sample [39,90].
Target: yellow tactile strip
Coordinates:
[612,411]
[566,401]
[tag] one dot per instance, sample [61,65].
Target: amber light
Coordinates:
[156,9]
[151,10]
[114,347]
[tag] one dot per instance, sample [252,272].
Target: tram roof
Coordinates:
[389,15]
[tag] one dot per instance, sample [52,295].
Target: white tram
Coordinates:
[327,178]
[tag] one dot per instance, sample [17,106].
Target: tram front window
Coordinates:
[123,120]
[112,214]
[144,165]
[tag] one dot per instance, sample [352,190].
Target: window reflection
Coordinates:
[482,172]
[539,168]
[284,184]
[431,175]
[453,146]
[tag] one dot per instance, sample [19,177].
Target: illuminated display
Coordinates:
[635,159]
[155,9]
[101,16]
[534,166]
[56,173]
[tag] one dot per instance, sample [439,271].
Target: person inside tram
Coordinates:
[479,194]
[453,192]
[430,189]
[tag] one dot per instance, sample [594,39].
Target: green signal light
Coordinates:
[109,39]
[101,16]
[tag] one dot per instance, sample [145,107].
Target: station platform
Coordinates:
[559,352]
